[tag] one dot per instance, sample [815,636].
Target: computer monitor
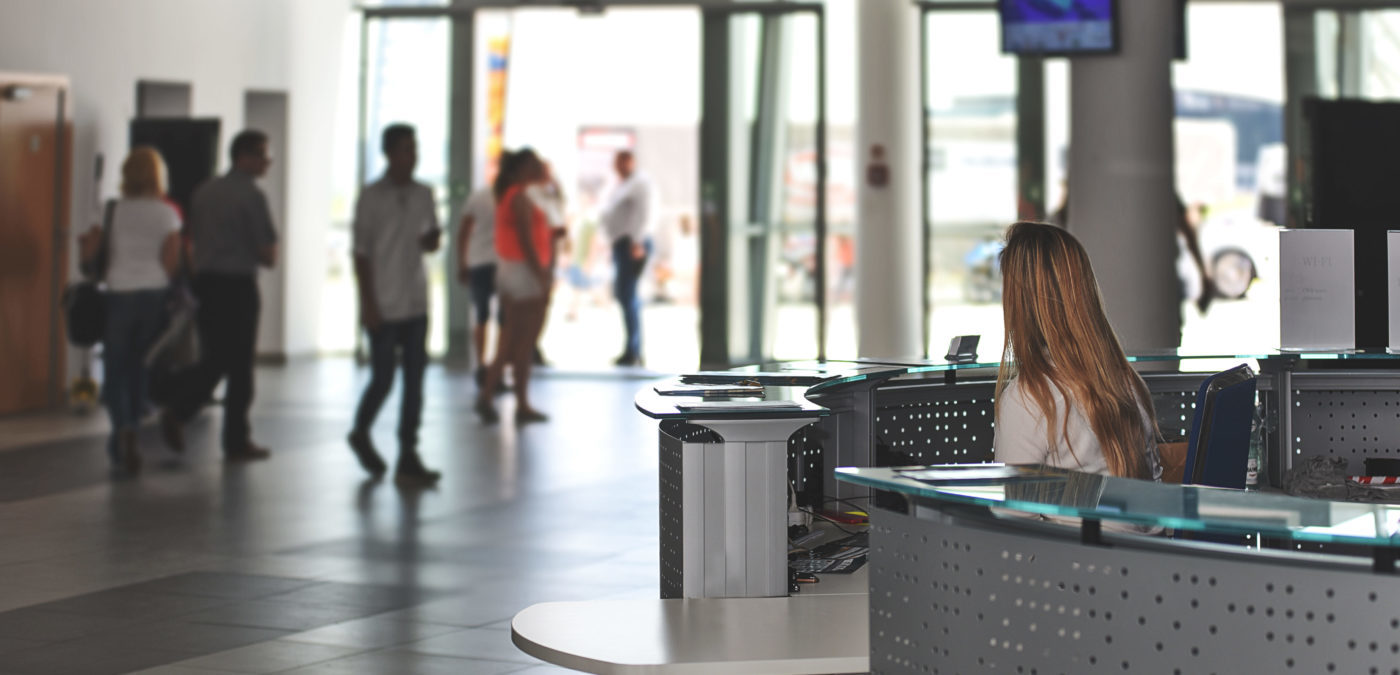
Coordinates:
[1059,27]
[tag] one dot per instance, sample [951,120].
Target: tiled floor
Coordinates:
[299,564]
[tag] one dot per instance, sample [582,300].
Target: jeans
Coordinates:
[410,337]
[483,289]
[134,321]
[229,306]
[629,272]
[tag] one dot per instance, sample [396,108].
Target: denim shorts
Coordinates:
[482,279]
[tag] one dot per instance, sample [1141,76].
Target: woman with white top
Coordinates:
[143,250]
[1066,395]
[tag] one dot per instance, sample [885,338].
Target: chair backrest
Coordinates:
[1218,451]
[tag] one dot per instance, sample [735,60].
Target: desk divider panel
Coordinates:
[938,423]
[1347,415]
[960,590]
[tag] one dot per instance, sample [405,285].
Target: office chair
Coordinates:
[1217,453]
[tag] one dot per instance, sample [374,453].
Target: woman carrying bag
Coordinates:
[142,252]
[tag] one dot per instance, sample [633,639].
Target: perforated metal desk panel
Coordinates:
[957,587]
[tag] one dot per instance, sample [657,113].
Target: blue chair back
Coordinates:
[1218,451]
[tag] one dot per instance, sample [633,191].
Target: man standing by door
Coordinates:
[627,218]
[395,224]
[232,234]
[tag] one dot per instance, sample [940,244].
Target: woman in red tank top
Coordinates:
[524,248]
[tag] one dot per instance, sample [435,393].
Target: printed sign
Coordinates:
[1392,245]
[1317,289]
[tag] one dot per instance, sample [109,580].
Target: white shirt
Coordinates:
[139,229]
[548,202]
[481,208]
[389,221]
[1020,435]
[630,209]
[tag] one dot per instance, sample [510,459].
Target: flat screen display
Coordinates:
[1059,26]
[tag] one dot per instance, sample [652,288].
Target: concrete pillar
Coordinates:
[889,297]
[1122,201]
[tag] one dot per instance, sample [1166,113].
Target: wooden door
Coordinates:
[33,201]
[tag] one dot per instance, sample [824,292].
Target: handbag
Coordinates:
[84,304]
[177,348]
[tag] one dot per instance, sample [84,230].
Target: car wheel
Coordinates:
[1233,272]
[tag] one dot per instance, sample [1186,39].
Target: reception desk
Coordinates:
[972,578]
[966,580]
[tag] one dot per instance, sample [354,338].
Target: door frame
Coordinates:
[720,346]
[714,289]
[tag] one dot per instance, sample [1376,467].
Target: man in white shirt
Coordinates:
[627,220]
[395,224]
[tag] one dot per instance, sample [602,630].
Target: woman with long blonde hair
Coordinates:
[143,248]
[1066,395]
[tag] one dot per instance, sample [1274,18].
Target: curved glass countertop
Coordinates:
[1058,492]
[798,381]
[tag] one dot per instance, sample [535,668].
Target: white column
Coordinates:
[889,312]
[1122,201]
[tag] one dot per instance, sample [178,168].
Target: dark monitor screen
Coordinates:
[1059,26]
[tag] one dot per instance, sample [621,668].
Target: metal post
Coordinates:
[821,294]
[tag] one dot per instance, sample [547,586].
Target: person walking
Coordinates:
[142,252]
[524,245]
[395,224]
[627,218]
[232,236]
[476,265]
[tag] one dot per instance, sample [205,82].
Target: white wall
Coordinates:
[223,48]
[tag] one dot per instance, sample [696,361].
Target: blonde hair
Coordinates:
[144,173]
[1058,334]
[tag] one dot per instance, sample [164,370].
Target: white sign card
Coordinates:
[1317,289]
[1392,246]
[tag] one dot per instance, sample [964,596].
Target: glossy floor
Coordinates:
[300,564]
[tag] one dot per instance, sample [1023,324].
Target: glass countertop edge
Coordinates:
[918,488]
[731,415]
[899,367]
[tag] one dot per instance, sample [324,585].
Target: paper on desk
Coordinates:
[739,406]
[709,390]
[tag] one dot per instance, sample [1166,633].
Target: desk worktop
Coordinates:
[824,629]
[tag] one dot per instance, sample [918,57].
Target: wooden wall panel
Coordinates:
[33,151]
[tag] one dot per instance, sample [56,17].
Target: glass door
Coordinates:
[405,77]
[765,251]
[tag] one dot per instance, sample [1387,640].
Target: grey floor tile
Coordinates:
[45,626]
[132,605]
[490,606]
[377,598]
[270,657]
[182,670]
[226,585]
[85,657]
[493,645]
[13,645]
[373,632]
[187,638]
[277,615]
[407,663]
